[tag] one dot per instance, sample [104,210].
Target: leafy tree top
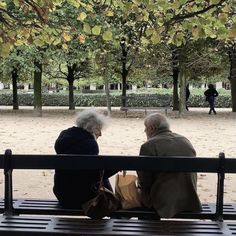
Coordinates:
[171,21]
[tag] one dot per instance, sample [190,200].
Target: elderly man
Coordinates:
[167,193]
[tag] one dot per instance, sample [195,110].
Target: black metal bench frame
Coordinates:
[14,222]
[145,108]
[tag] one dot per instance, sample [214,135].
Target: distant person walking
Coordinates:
[187,96]
[210,94]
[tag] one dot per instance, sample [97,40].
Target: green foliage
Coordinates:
[87,100]
[69,32]
[157,21]
[223,101]
[21,58]
[5,99]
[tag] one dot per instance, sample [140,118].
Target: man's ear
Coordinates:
[152,127]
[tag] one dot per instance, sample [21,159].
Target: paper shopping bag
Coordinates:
[127,191]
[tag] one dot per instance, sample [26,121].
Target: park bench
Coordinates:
[20,216]
[144,103]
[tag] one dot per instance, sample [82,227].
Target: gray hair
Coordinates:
[157,121]
[90,120]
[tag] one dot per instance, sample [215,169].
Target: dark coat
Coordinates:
[210,94]
[187,93]
[74,187]
[169,193]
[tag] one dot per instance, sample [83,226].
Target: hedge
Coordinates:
[85,100]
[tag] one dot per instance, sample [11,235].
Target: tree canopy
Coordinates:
[76,29]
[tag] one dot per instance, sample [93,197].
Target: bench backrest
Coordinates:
[219,165]
[146,100]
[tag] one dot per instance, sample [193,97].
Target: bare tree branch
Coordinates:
[181,17]
[41,12]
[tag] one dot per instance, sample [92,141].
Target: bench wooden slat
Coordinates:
[51,207]
[18,225]
[170,164]
[142,108]
[140,97]
[1,161]
[126,109]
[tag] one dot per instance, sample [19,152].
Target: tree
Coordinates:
[230,45]
[106,67]
[140,23]
[131,24]
[70,64]
[197,60]
[232,73]
[31,22]
[16,66]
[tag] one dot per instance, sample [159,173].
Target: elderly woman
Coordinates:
[73,188]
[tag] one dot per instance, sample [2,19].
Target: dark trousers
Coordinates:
[211,101]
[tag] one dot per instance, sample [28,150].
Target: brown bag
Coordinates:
[103,204]
[127,191]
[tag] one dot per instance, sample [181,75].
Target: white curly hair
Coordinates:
[90,120]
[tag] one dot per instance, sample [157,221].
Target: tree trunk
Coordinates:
[124,84]
[71,95]
[232,77]
[175,90]
[175,71]
[14,75]
[70,79]
[182,100]
[38,88]
[108,98]
[124,73]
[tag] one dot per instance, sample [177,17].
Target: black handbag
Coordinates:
[103,204]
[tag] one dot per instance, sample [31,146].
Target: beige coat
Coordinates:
[169,193]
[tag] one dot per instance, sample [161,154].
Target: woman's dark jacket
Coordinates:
[74,187]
